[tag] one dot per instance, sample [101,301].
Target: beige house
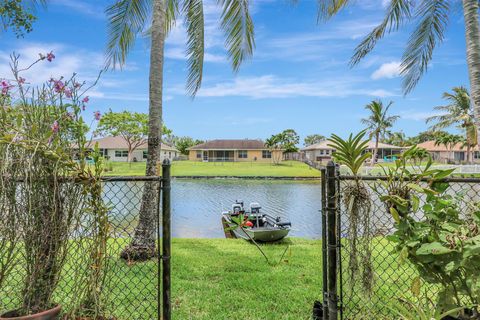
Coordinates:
[455,154]
[116,149]
[233,151]
[322,152]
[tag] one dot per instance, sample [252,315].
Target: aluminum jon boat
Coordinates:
[258,226]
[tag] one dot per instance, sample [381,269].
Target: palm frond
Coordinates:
[237,24]
[171,14]
[397,12]
[430,31]
[194,21]
[126,19]
[329,8]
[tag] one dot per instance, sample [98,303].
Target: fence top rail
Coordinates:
[375,178]
[131,178]
[103,179]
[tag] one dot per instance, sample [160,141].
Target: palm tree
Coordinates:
[378,122]
[431,18]
[449,141]
[459,112]
[130,18]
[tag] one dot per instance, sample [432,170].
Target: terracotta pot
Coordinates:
[51,314]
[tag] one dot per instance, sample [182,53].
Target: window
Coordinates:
[145,154]
[327,151]
[476,155]
[121,153]
[266,154]
[242,154]
[199,154]
[103,152]
[321,152]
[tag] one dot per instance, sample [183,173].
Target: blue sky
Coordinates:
[298,78]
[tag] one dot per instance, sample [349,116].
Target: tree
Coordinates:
[312,139]
[396,138]
[183,143]
[378,123]
[18,16]
[131,126]
[427,136]
[129,19]
[458,112]
[431,19]
[449,141]
[284,141]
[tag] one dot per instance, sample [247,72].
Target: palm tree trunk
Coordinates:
[468,154]
[375,151]
[142,246]
[472,35]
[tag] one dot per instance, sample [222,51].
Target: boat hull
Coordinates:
[262,234]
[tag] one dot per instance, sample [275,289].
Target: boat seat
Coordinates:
[284,224]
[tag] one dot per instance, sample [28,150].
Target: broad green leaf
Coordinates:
[435,248]
[395,214]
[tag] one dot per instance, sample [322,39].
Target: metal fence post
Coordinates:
[166,241]
[332,241]
[324,241]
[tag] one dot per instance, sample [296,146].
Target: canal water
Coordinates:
[197,204]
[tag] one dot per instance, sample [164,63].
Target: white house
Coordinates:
[116,149]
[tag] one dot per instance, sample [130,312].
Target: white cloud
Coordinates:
[269,86]
[418,115]
[78,6]
[387,70]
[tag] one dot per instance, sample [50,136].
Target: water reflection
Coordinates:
[197,204]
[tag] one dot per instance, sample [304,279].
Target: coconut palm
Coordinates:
[449,141]
[431,18]
[378,123]
[129,19]
[458,112]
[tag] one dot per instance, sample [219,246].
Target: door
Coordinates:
[205,156]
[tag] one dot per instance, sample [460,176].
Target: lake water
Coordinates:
[197,204]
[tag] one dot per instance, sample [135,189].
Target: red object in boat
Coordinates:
[249,224]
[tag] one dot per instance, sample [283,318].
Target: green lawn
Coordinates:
[243,169]
[217,279]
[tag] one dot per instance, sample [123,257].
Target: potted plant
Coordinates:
[47,132]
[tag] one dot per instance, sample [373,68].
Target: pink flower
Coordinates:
[50,56]
[68,92]
[86,99]
[21,80]
[55,126]
[58,85]
[76,85]
[97,115]
[5,87]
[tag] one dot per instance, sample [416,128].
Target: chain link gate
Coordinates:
[343,299]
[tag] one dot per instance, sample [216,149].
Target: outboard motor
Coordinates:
[255,207]
[237,207]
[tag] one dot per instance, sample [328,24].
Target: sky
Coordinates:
[298,77]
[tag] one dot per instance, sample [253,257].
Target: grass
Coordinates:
[205,169]
[216,279]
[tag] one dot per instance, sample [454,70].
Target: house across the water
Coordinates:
[323,152]
[116,149]
[233,151]
[451,154]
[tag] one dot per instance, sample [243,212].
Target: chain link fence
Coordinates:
[392,279]
[130,290]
